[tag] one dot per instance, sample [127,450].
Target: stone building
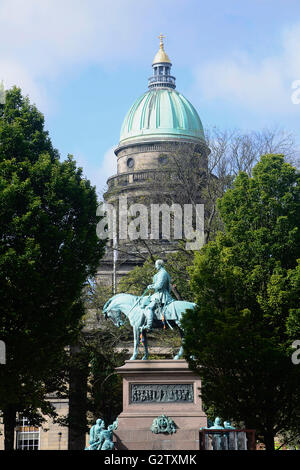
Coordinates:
[49,436]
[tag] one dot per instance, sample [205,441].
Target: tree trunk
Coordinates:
[77,401]
[269,441]
[9,420]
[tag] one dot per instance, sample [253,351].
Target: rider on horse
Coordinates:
[162,287]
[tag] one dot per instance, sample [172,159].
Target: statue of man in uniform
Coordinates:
[162,287]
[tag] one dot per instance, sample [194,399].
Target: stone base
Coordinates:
[154,388]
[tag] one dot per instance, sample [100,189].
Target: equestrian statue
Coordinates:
[147,312]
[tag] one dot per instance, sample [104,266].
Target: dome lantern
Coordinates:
[161,69]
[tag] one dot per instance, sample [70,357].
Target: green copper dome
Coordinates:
[161,113]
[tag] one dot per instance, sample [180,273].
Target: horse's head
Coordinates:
[112,312]
[115,316]
[105,309]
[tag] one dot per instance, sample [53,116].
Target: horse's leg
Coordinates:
[136,344]
[180,352]
[145,340]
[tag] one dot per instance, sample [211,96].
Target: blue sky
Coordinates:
[85,62]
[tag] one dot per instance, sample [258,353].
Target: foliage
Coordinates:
[176,263]
[137,280]
[48,248]
[103,347]
[188,176]
[247,285]
[105,385]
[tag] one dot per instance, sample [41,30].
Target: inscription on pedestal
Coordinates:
[161,393]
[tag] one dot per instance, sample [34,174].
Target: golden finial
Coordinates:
[161,56]
[161,37]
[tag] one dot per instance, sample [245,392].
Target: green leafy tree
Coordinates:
[95,388]
[176,263]
[247,288]
[106,352]
[48,248]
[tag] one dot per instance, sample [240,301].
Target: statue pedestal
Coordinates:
[152,389]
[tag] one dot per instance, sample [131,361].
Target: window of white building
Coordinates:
[27,436]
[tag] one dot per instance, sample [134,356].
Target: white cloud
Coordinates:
[40,39]
[263,86]
[14,73]
[98,173]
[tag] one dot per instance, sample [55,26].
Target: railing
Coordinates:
[140,176]
[227,439]
[118,180]
[128,178]
[167,80]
